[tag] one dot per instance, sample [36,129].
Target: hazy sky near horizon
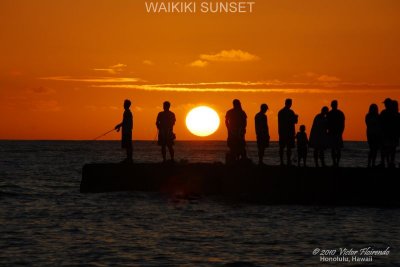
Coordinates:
[66,66]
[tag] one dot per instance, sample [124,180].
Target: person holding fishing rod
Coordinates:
[126,134]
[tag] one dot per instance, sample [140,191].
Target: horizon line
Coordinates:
[145,140]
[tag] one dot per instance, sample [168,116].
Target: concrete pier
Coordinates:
[265,184]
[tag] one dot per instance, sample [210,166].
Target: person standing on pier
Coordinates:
[262,132]
[126,134]
[302,146]
[390,139]
[374,133]
[165,123]
[319,136]
[335,132]
[236,122]
[287,120]
[395,104]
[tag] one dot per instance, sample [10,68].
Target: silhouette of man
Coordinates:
[395,106]
[165,123]
[126,134]
[236,122]
[335,131]
[286,129]
[388,121]
[319,136]
[262,132]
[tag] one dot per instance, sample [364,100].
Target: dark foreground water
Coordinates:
[45,221]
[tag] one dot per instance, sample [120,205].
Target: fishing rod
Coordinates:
[104,134]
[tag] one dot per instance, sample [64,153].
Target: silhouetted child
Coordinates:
[302,146]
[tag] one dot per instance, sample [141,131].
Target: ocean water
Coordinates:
[45,221]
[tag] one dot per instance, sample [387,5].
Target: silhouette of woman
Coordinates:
[374,133]
[236,122]
[319,136]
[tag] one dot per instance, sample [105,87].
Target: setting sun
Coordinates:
[202,121]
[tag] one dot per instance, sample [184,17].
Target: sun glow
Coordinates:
[202,121]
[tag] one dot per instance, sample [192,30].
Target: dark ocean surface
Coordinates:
[45,221]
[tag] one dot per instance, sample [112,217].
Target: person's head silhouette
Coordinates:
[127,104]
[302,128]
[166,105]
[373,109]
[288,103]
[387,103]
[334,104]
[324,110]
[264,108]
[237,104]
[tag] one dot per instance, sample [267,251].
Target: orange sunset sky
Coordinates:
[66,66]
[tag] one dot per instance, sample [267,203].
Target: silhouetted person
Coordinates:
[388,120]
[374,134]
[319,136]
[396,111]
[286,128]
[126,134]
[335,131]
[236,122]
[302,146]
[165,123]
[262,132]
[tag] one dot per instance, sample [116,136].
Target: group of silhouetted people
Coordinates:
[326,132]
[165,123]
[383,133]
